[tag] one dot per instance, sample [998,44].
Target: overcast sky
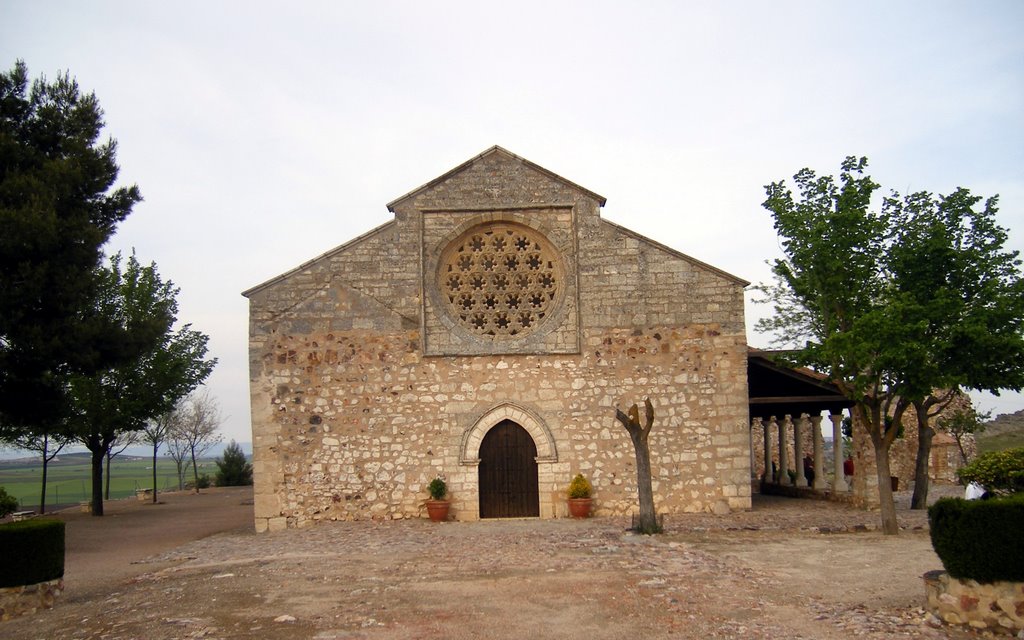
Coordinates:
[263,134]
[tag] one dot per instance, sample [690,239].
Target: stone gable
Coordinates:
[388,360]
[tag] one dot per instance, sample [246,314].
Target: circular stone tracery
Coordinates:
[500,280]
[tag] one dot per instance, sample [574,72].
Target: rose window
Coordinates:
[500,280]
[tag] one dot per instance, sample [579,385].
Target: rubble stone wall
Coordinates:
[363,391]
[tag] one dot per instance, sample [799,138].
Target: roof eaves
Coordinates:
[305,265]
[678,254]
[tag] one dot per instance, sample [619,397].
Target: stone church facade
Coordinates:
[486,335]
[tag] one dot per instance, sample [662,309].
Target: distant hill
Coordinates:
[1006,431]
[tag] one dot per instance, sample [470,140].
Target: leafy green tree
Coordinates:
[58,206]
[962,423]
[122,399]
[232,468]
[891,305]
[961,291]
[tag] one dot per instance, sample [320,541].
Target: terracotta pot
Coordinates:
[580,507]
[438,510]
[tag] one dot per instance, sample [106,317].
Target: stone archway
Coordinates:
[546,457]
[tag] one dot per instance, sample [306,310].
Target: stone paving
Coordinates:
[511,578]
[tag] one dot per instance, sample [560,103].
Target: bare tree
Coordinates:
[638,433]
[177,450]
[116,447]
[155,433]
[47,445]
[198,428]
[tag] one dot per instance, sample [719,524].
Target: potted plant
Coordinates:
[579,496]
[437,506]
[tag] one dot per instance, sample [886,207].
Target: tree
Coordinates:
[964,293]
[198,428]
[47,444]
[232,468]
[121,442]
[178,450]
[884,303]
[156,433]
[122,399]
[58,207]
[964,422]
[648,522]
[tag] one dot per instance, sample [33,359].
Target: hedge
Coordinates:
[980,539]
[33,551]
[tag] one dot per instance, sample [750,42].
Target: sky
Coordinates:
[263,134]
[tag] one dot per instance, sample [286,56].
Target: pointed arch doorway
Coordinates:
[508,473]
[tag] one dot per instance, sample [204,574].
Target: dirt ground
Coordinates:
[193,568]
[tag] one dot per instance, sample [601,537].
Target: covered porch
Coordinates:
[787,448]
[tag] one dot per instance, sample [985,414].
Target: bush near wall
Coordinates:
[33,552]
[997,471]
[980,539]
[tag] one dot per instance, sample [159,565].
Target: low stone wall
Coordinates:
[996,606]
[23,600]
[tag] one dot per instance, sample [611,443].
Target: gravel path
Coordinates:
[789,568]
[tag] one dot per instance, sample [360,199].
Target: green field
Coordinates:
[68,481]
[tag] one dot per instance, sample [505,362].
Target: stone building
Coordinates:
[486,334]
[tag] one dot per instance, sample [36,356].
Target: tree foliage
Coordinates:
[233,470]
[896,304]
[123,399]
[962,423]
[58,206]
[1001,472]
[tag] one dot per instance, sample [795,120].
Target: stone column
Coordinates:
[783,453]
[766,426]
[819,458]
[753,456]
[798,450]
[839,484]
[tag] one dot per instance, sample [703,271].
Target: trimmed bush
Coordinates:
[997,471]
[33,551]
[580,487]
[980,539]
[437,488]
[8,503]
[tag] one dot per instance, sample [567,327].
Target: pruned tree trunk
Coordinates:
[155,447]
[648,522]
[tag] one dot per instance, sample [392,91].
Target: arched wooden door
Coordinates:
[508,473]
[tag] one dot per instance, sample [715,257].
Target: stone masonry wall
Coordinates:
[353,413]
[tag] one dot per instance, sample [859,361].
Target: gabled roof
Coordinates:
[494,150]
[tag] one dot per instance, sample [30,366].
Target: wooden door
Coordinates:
[508,473]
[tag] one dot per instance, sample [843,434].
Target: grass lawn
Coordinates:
[69,480]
